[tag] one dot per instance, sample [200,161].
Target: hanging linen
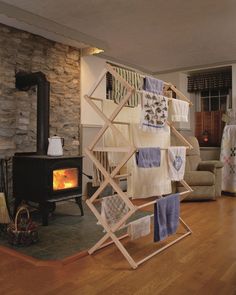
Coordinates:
[128,115]
[228,157]
[176,162]
[153,85]
[145,183]
[148,157]
[98,177]
[166,216]
[116,91]
[139,228]
[109,82]
[154,111]
[179,110]
[113,209]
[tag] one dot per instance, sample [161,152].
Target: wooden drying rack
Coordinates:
[113,177]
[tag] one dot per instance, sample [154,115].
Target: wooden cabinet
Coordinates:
[211,123]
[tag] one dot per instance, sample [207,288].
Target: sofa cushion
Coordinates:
[206,167]
[201,178]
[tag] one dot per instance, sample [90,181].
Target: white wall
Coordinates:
[91,68]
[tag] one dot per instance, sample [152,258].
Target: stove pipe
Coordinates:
[23,82]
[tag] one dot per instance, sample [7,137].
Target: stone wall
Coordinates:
[20,50]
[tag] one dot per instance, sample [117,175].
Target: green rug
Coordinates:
[67,234]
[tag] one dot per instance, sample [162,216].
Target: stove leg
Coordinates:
[44,209]
[79,202]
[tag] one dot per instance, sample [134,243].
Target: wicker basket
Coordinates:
[22,232]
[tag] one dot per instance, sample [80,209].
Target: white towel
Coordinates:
[113,209]
[154,111]
[176,162]
[145,183]
[179,110]
[139,228]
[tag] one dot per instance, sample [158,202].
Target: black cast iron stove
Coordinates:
[37,177]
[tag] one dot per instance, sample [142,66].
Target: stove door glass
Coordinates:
[65,179]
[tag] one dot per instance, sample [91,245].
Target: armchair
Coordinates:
[204,177]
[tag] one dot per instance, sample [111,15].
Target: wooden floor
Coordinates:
[203,263]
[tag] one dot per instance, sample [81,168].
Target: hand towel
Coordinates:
[154,111]
[166,217]
[119,91]
[153,85]
[145,183]
[113,209]
[148,157]
[139,228]
[176,162]
[179,110]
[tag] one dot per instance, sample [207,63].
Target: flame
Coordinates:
[65,178]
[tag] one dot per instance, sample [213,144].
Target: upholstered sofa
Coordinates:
[204,177]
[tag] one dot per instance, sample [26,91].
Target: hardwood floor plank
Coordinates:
[203,263]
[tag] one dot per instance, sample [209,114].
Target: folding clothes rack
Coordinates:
[113,177]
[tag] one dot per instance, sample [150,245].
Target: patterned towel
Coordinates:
[154,111]
[179,110]
[116,91]
[228,157]
[139,228]
[113,209]
[176,162]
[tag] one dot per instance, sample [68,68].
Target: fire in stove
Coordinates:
[65,178]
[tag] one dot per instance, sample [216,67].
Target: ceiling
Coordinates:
[155,36]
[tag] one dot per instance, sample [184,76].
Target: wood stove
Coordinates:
[37,177]
[46,180]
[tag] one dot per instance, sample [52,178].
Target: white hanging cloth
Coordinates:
[176,162]
[139,228]
[127,114]
[228,157]
[145,183]
[179,110]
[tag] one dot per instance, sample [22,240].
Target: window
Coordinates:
[212,99]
